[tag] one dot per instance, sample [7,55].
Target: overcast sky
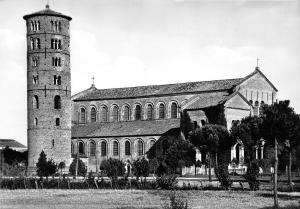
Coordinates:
[140,42]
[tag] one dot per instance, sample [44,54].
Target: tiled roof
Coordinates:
[155,90]
[11,143]
[46,12]
[125,128]
[207,100]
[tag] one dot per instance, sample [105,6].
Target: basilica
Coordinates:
[121,123]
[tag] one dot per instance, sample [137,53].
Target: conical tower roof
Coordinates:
[47,12]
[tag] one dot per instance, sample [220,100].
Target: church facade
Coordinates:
[120,123]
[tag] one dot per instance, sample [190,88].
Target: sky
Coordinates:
[140,42]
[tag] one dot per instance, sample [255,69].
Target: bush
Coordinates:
[140,168]
[252,175]
[223,176]
[44,167]
[166,182]
[176,202]
[113,168]
[81,167]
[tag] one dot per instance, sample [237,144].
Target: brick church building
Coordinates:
[118,123]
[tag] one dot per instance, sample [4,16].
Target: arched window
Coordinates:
[173,110]
[256,108]
[115,148]
[36,102]
[93,114]
[82,115]
[138,112]
[57,122]
[161,111]
[152,142]
[104,114]
[115,113]
[38,25]
[140,146]
[81,147]
[36,121]
[126,113]
[149,112]
[57,102]
[127,148]
[103,148]
[59,26]
[32,44]
[92,148]
[59,80]
[38,43]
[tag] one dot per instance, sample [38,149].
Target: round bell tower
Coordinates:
[48,86]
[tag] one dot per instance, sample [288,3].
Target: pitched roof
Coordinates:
[257,70]
[125,128]
[206,100]
[46,12]
[155,90]
[11,143]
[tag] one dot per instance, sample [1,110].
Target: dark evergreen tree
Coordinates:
[81,167]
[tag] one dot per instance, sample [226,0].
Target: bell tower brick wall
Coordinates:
[48,86]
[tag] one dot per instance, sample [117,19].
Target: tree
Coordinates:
[61,166]
[140,168]
[280,122]
[209,138]
[180,153]
[81,167]
[44,167]
[153,165]
[113,168]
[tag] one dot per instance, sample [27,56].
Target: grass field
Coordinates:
[139,199]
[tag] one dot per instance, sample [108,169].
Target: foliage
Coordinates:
[61,166]
[44,167]
[113,168]
[17,169]
[81,167]
[251,175]
[12,156]
[180,153]
[140,168]
[223,176]
[153,165]
[176,202]
[166,181]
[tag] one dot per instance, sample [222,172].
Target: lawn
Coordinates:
[140,199]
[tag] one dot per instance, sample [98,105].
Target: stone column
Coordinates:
[256,152]
[261,152]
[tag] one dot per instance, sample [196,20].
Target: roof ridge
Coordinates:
[168,84]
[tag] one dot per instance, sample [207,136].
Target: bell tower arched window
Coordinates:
[57,102]
[36,102]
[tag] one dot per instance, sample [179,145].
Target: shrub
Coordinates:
[176,202]
[166,182]
[44,167]
[113,168]
[81,167]
[223,176]
[252,175]
[140,168]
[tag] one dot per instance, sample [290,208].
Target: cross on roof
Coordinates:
[257,60]
[93,80]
